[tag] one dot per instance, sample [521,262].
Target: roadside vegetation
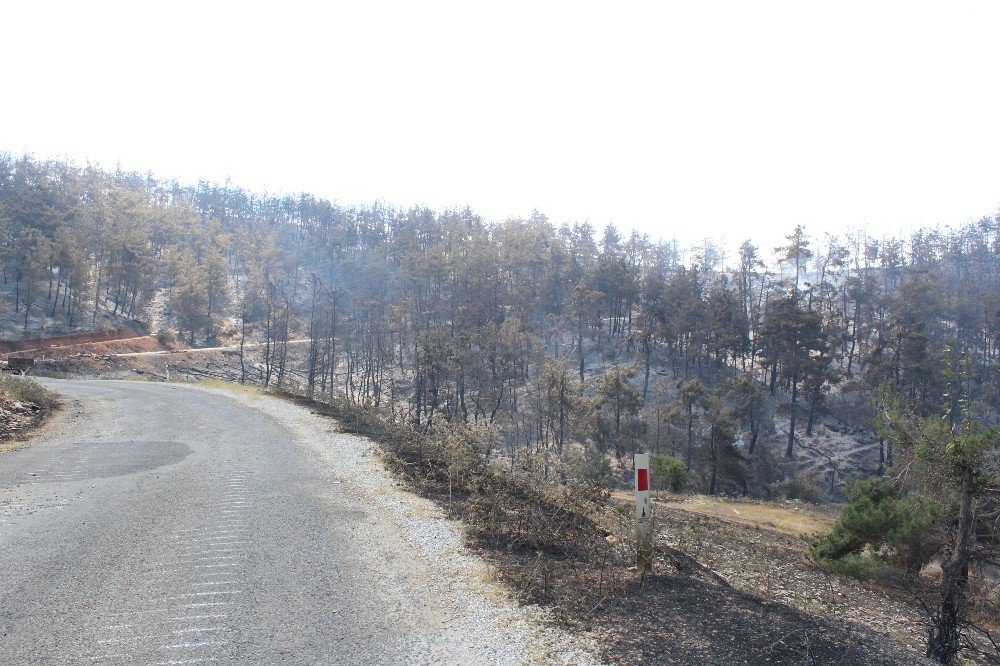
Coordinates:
[554,540]
[24,404]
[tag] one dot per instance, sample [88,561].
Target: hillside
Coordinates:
[555,351]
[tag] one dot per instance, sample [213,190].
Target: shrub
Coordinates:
[22,389]
[878,517]
[166,337]
[587,466]
[800,488]
[870,568]
[462,450]
[670,473]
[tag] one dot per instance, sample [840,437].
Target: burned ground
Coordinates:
[678,619]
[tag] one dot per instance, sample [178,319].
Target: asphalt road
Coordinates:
[156,523]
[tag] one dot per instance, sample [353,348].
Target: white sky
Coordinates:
[687,119]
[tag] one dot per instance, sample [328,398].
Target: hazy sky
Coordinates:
[728,119]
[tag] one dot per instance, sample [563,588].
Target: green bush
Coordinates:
[587,466]
[871,568]
[670,473]
[878,517]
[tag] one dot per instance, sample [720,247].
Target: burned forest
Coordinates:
[855,371]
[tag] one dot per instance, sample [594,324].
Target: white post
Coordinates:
[644,542]
[168,371]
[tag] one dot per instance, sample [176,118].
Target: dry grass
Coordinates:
[24,404]
[791,518]
[235,387]
[22,389]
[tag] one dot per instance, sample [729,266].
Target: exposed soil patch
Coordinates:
[132,330]
[721,593]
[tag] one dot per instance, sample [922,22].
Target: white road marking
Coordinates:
[102,657]
[213,557]
[212,593]
[188,646]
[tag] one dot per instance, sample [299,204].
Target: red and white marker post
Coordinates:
[643,509]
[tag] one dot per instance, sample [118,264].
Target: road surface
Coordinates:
[166,524]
